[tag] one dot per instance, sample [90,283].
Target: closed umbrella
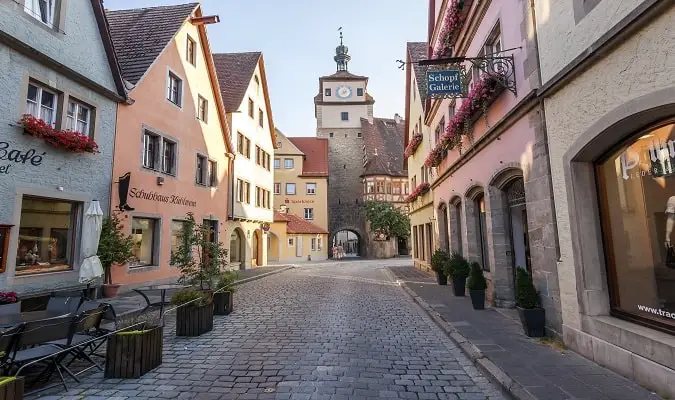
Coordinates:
[91,232]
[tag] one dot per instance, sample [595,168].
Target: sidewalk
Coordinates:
[528,368]
[131,301]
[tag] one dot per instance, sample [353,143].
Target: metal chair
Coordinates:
[8,339]
[87,327]
[8,309]
[66,302]
[38,334]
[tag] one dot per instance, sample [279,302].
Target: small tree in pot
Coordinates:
[458,270]
[439,264]
[532,316]
[113,248]
[477,285]
[222,297]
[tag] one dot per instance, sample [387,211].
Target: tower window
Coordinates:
[359,134]
[331,134]
[345,116]
[346,135]
[359,91]
[327,92]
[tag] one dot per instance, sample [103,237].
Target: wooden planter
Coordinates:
[11,388]
[194,320]
[222,303]
[132,354]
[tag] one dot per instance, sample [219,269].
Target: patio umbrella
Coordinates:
[91,232]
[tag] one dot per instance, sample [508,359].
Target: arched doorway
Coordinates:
[443,235]
[257,249]
[237,249]
[349,241]
[520,243]
[273,250]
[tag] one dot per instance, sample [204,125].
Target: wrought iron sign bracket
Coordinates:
[501,68]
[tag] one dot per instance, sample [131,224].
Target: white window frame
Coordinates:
[277,163]
[202,113]
[72,122]
[171,78]
[311,191]
[308,214]
[171,169]
[191,57]
[286,160]
[294,188]
[32,7]
[150,161]
[40,90]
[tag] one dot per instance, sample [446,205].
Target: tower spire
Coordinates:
[342,56]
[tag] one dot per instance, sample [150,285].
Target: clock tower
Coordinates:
[343,101]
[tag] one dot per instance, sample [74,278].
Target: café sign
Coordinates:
[449,82]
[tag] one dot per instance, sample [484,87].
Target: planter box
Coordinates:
[441,279]
[131,354]
[222,303]
[477,299]
[533,321]
[194,320]
[459,287]
[11,388]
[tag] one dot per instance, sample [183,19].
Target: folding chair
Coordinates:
[8,339]
[87,327]
[66,302]
[38,334]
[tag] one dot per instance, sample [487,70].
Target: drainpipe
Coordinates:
[542,110]
[230,186]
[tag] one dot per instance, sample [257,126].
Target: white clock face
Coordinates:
[343,92]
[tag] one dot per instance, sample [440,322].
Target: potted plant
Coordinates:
[439,263]
[458,270]
[194,312]
[11,387]
[113,248]
[532,316]
[477,285]
[137,349]
[222,297]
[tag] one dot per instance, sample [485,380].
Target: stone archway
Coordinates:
[350,240]
[238,249]
[257,249]
[456,232]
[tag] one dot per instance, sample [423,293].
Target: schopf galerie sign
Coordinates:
[447,82]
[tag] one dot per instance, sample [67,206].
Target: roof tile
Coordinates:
[383,140]
[316,155]
[297,225]
[235,71]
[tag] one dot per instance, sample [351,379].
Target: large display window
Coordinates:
[637,200]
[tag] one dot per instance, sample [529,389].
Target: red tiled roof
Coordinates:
[316,155]
[235,71]
[141,34]
[418,52]
[383,141]
[297,225]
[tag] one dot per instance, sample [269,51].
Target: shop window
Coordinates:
[4,244]
[481,229]
[46,235]
[176,230]
[143,234]
[637,202]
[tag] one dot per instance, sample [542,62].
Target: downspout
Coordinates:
[230,186]
[542,110]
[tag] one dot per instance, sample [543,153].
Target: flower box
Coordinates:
[455,17]
[11,387]
[420,190]
[194,320]
[66,140]
[413,145]
[132,354]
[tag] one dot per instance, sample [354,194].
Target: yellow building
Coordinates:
[301,188]
[418,144]
[295,239]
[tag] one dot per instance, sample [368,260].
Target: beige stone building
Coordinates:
[418,143]
[243,84]
[301,189]
[609,95]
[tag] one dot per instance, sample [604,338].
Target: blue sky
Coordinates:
[298,40]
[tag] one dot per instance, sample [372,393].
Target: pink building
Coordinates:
[489,161]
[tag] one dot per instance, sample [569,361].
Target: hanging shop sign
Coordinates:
[448,82]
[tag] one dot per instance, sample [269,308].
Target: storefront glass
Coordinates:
[143,236]
[46,236]
[637,192]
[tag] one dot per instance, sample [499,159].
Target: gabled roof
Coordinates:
[343,75]
[297,225]
[383,141]
[418,51]
[316,155]
[113,62]
[141,34]
[235,71]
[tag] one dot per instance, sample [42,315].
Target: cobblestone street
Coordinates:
[327,331]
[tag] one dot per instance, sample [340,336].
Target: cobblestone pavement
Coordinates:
[329,331]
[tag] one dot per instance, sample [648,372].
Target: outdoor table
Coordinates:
[9,320]
[162,289]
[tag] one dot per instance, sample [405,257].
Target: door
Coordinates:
[298,246]
[518,217]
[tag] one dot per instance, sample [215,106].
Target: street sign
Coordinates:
[445,83]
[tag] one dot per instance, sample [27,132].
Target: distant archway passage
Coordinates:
[349,241]
[237,248]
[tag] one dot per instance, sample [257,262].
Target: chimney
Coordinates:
[397,118]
